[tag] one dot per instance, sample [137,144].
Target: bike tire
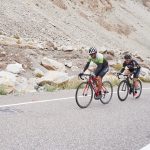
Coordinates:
[108,93]
[126,89]
[81,97]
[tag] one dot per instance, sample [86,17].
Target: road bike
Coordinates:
[127,86]
[86,90]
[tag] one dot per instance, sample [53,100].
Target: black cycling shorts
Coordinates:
[103,71]
[136,75]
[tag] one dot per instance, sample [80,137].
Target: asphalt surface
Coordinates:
[52,121]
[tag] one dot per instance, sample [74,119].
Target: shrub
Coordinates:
[2,90]
[145,78]
[73,83]
[113,79]
[117,66]
[50,88]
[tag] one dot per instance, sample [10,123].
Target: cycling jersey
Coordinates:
[98,60]
[101,63]
[133,67]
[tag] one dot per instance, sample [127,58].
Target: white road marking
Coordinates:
[147,147]
[44,101]
[145,88]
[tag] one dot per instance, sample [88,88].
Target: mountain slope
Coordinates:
[115,24]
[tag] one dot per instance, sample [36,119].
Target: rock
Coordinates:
[74,68]
[52,64]
[49,44]
[68,64]
[7,40]
[111,52]
[103,49]
[145,71]
[21,84]
[59,48]
[7,82]
[32,82]
[3,54]
[120,61]
[112,63]
[15,68]
[1,48]
[144,65]
[67,48]
[7,78]
[55,77]
[146,3]
[38,73]
[125,53]
[2,65]
[139,58]
[109,57]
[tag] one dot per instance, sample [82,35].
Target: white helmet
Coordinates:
[92,50]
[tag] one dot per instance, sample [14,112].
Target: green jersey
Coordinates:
[98,60]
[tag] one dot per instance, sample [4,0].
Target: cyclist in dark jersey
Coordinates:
[131,67]
[102,66]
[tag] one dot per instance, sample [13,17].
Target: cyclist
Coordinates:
[131,68]
[101,69]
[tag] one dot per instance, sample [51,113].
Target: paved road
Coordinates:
[52,121]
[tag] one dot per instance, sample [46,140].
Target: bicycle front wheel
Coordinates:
[107,92]
[84,95]
[123,90]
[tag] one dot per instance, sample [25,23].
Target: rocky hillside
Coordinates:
[54,35]
[121,24]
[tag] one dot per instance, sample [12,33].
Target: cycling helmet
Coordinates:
[92,50]
[127,56]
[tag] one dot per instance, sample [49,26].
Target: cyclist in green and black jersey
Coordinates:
[102,66]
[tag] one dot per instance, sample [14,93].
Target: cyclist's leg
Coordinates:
[136,75]
[99,83]
[100,76]
[135,82]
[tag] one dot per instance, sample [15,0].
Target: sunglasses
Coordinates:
[92,54]
[127,59]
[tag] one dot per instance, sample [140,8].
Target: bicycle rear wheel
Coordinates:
[107,92]
[137,90]
[123,90]
[84,95]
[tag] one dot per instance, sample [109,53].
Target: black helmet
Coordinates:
[127,56]
[92,50]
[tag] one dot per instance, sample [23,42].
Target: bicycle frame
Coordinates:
[90,81]
[127,78]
